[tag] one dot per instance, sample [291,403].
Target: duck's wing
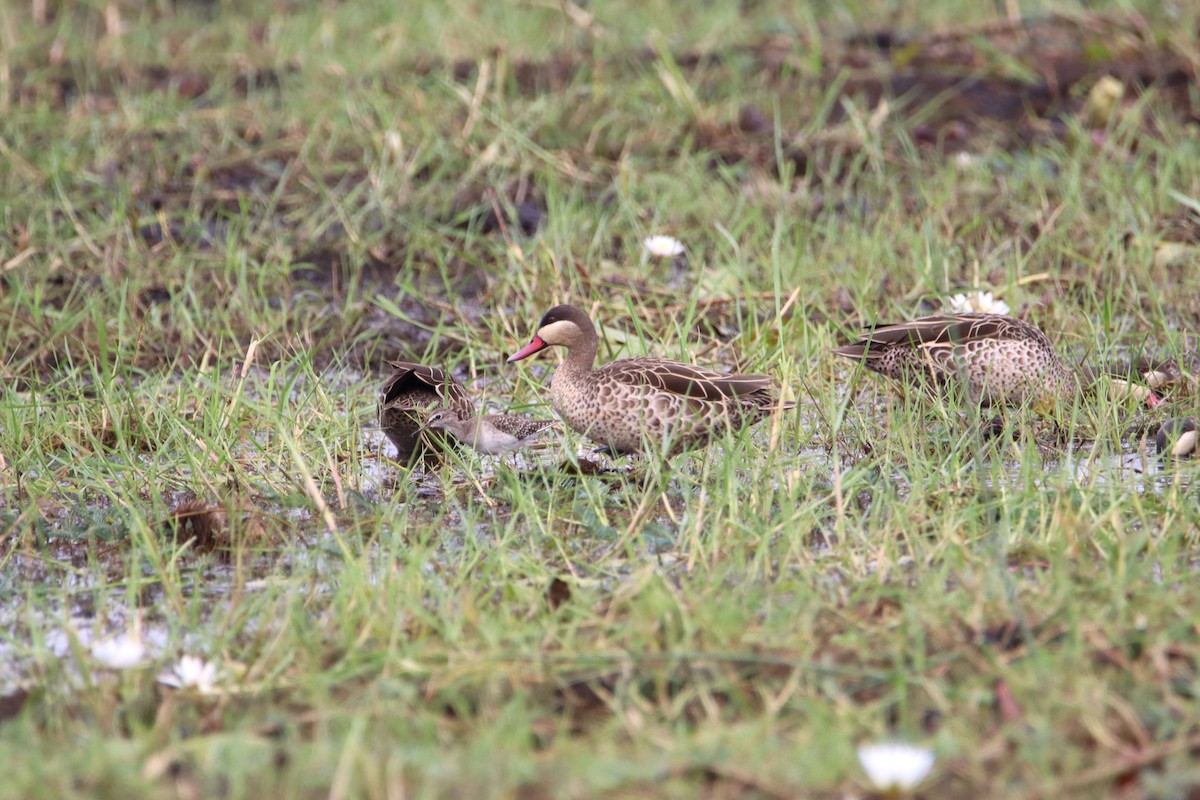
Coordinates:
[685,380]
[411,377]
[931,333]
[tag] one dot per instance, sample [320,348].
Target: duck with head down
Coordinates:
[993,359]
[636,403]
[408,396]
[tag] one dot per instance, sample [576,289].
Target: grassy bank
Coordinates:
[218,224]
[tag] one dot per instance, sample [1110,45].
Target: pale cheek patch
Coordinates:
[557,332]
[1157,378]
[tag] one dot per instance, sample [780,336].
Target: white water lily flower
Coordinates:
[123,651]
[976,302]
[663,246]
[895,766]
[192,672]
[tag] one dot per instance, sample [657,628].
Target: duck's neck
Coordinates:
[580,358]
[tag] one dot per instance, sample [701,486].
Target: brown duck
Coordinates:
[406,399]
[636,403]
[996,359]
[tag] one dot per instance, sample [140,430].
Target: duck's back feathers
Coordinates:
[419,383]
[942,329]
[685,380]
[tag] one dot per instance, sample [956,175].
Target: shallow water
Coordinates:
[83,598]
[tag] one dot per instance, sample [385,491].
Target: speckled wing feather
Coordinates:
[940,330]
[413,378]
[514,425]
[684,380]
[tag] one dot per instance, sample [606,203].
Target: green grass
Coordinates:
[219,224]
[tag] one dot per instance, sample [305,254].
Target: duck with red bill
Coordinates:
[638,404]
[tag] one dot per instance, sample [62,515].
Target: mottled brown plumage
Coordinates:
[998,360]
[490,434]
[406,399]
[636,403]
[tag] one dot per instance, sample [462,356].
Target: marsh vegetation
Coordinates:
[221,221]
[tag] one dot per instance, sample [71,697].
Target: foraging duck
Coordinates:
[490,434]
[407,397]
[633,402]
[998,360]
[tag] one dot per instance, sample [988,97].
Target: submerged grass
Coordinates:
[220,222]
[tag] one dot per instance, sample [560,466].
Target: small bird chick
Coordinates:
[490,434]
